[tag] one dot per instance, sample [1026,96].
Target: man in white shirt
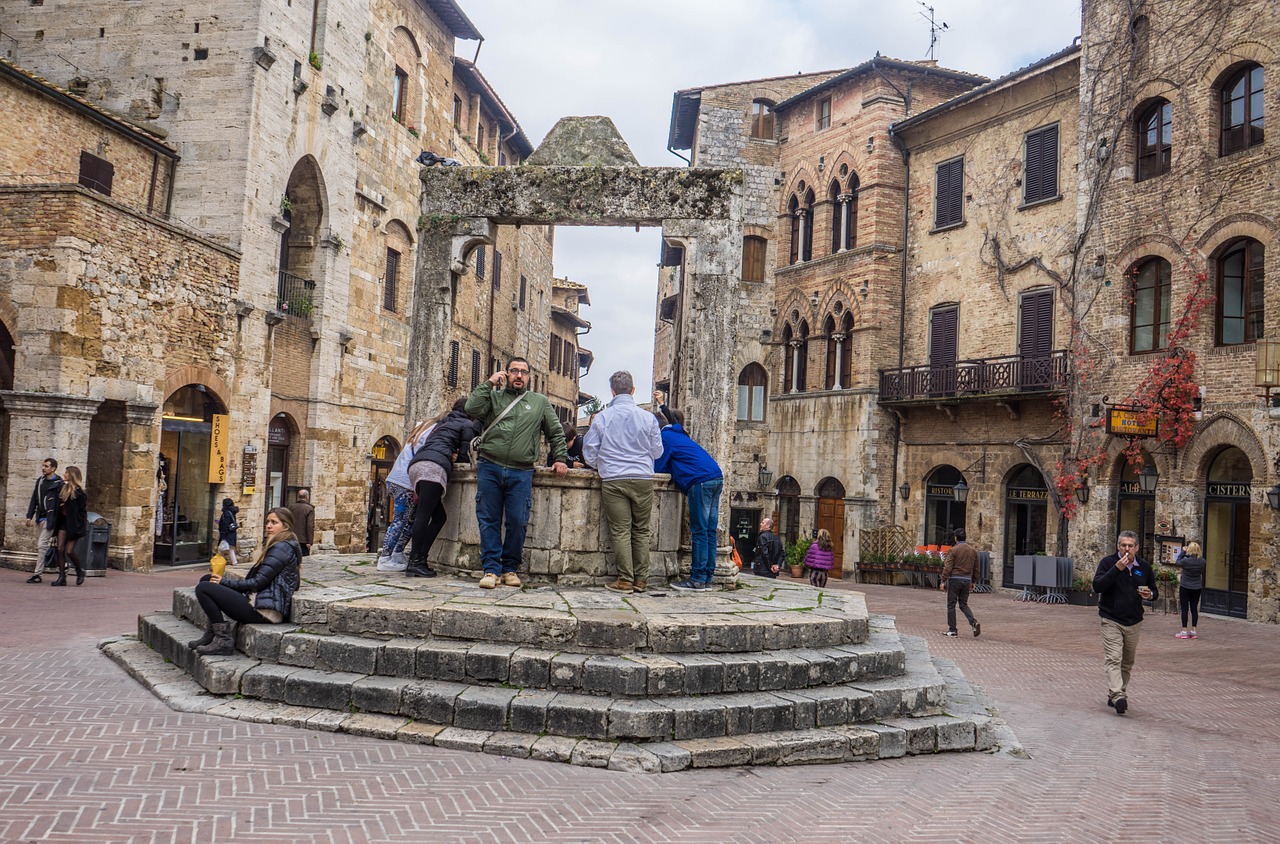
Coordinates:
[622,443]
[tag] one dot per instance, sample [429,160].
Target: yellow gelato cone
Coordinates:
[218,564]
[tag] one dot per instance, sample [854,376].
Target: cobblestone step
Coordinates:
[919,691]
[521,666]
[864,742]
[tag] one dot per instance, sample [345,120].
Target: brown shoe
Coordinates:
[510,578]
[640,586]
[620,586]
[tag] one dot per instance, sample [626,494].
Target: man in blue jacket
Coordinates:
[700,479]
[1123,581]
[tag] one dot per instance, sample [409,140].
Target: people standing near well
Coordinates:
[44,503]
[274,578]
[428,471]
[304,520]
[1123,581]
[515,420]
[403,508]
[1190,588]
[71,522]
[769,555]
[959,572]
[698,476]
[622,443]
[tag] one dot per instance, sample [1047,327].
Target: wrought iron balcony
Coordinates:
[295,296]
[1014,376]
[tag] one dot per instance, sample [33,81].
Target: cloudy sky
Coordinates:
[625,58]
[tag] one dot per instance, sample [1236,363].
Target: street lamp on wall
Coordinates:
[960,491]
[905,491]
[764,476]
[1273,497]
[1148,478]
[1082,491]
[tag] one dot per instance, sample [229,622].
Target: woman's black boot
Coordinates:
[203,640]
[224,640]
[79,573]
[62,579]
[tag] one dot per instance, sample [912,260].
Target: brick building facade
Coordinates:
[291,136]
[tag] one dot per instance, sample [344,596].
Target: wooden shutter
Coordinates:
[753,250]
[96,173]
[523,285]
[1035,340]
[480,262]
[475,368]
[943,348]
[497,270]
[453,363]
[949,194]
[1041,178]
[390,283]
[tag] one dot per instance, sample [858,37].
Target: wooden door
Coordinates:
[831,517]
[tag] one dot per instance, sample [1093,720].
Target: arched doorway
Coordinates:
[185,504]
[1026,516]
[1226,533]
[381,458]
[943,514]
[787,517]
[831,516]
[1135,509]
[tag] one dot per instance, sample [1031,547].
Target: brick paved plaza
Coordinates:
[86,754]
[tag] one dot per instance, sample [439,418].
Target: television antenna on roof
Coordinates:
[935,27]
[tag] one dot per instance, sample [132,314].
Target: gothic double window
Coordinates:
[800,210]
[839,369]
[844,215]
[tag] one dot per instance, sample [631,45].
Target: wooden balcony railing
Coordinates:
[975,378]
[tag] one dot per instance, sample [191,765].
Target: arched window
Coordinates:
[1240,292]
[1243,93]
[793,213]
[762,120]
[1149,321]
[1155,139]
[806,229]
[753,390]
[844,215]
[788,359]
[787,519]
[837,218]
[846,351]
[394,290]
[851,213]
[801,346]
[406,99]
[830,382]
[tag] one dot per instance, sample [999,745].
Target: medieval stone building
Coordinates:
[953,283]
[285,140]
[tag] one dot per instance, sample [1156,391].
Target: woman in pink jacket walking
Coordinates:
[819,559]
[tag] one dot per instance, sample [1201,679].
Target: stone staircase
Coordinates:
[770,674]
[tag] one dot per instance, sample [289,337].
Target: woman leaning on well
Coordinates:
[1190,587]
[70,523]
[272,581]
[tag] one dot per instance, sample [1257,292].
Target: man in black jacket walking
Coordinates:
[44,504]
[769,555]
[1123,581]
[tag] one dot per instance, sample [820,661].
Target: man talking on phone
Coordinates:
[515,419]
[1123,581]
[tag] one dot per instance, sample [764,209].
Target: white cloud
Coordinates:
[625,58]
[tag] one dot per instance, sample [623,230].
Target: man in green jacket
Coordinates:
[508,452]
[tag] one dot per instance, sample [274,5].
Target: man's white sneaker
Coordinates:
[391,564]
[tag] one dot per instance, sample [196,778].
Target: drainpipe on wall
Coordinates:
[902,310]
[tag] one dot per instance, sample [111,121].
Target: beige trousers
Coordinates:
[627,506]
[1119,647]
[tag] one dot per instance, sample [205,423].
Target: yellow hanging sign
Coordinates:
[219,442]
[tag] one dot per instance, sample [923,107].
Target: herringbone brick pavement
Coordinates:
[87,755]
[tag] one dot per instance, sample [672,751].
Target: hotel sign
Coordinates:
[1123,422]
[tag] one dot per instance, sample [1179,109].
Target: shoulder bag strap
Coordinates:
[480,439]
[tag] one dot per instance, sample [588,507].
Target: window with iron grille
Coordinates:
[392,281]
[949,194]
[475,368]
[453,363]
[1041,180]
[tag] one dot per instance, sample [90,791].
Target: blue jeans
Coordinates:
[704,517]
[398,532]
[502,496]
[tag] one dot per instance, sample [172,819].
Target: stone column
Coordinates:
[712,284]
[442,252]
[795,367]
[844,199]
[40,425]
[133,532]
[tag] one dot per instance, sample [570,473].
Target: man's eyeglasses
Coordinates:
[518,371]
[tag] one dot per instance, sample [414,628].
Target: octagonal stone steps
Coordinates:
[918,691]
[636,674]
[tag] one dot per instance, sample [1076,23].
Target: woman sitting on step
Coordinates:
[272,581]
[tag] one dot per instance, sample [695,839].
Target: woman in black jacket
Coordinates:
[70,523]
[227,527]
[429,474]
[272,580]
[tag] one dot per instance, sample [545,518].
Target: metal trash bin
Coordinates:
[92,547]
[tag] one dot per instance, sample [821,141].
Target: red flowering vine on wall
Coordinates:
[1167,394]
